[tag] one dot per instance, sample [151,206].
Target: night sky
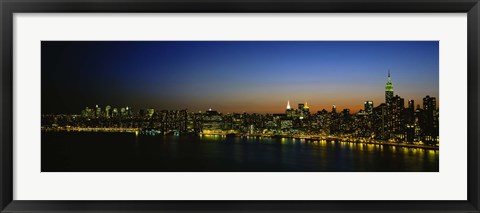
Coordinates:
[233,76]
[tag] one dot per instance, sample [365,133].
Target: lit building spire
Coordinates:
[389,81]
[388,89]
[306,105]
[288,105]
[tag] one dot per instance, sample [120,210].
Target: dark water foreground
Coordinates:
[126,152]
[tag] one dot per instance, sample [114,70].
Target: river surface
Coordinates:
[127,152]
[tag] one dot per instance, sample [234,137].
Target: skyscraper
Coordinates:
[289,110]
[115,112]
[430,120]
[306,109]
[88,113]
[108,112]
[368,107]
[388,90]
[98,111]
[301,110]
[410,113]
[380,121]
[301,106]
[150,112]
[396,126]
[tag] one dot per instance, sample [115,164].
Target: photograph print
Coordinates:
[240,106]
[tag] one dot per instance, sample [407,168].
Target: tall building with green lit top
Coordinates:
[388,90]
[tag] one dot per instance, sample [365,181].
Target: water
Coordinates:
[126,152]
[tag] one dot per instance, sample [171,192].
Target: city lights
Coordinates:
[388,122]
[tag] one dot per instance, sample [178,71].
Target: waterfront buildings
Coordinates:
[389,121]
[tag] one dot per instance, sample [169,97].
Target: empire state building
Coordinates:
[388,90]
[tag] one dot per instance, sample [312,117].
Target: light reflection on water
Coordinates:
[124,152]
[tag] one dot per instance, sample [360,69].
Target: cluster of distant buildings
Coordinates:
[389,121]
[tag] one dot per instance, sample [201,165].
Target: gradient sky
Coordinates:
[234,76]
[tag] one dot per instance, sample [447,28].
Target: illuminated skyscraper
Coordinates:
[150,112]
[123,112]
[410,121]
[368,107]
[410,112]
[430,119]
[114,112]
[391,117]
[396,118]
[88,113]
[306,109]
[388,90]
[301,110]
[289,111]
[107,111]
[334,119]
[98,111]
[129,111]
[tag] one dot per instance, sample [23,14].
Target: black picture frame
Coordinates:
[9,7]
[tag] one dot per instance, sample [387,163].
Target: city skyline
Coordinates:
[389,88]
[231,84]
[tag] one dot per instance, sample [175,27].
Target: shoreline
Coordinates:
[306,138]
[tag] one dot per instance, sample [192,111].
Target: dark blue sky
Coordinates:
[233,76]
